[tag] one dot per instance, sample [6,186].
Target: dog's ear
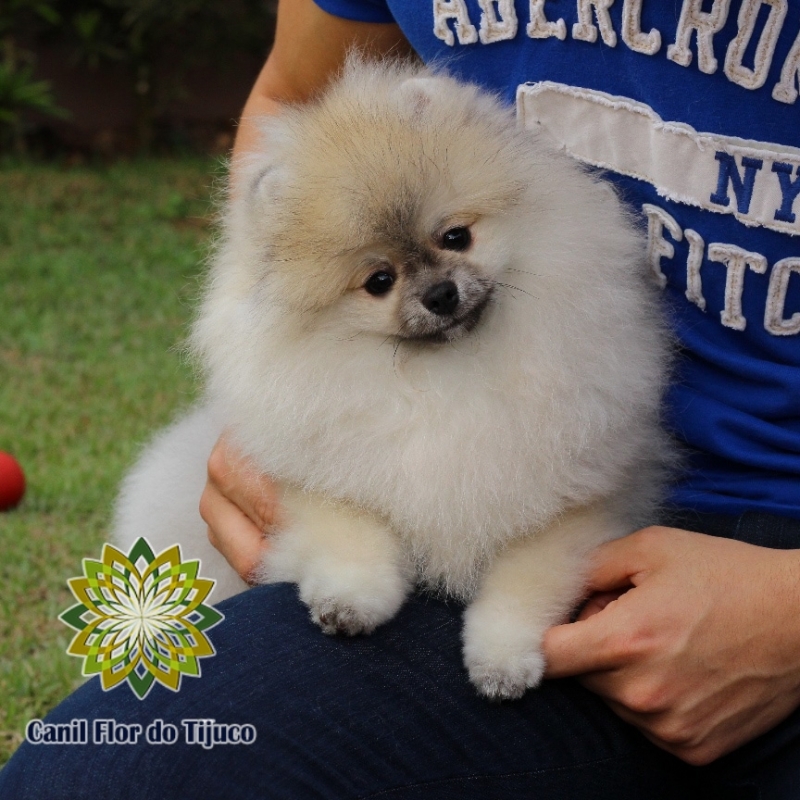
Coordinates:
[263,166]
[267,182]
[418,92]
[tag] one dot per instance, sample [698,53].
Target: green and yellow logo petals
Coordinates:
[141,618]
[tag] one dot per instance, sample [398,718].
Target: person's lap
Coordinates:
[392,715]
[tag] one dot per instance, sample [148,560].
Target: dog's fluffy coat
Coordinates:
[484,454]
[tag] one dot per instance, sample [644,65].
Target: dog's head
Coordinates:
[388,206]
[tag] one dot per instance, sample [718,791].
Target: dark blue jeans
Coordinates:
[388,716]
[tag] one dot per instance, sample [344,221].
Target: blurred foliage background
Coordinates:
[145,67]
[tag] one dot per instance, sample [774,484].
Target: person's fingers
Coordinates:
[237,479]
[238,504]
[232,532]
[603,640]
[576,648]
[616,564]
[597,602]
[596,640]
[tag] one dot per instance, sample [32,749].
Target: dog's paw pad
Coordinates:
[510,680]
[334,618]
[497,687]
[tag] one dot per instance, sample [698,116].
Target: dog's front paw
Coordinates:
[348,565]
[508,677]
[353,599]
[335,617]
[502,654]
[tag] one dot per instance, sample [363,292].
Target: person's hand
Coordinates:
[693,639]
[239,505]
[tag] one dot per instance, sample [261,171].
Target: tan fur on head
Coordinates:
[369,171]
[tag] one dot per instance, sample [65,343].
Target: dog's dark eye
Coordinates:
[458,239]
[379,282]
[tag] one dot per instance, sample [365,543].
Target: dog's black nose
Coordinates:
[442,298]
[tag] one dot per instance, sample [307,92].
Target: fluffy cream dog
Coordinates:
[439,335]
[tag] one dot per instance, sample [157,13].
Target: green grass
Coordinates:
[99,269]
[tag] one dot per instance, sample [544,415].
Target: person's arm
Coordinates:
[702,652]
[238,504]
[310,48]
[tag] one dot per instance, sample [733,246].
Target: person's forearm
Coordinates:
[248,134]
[310,48]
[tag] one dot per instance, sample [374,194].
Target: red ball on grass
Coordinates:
[12,482]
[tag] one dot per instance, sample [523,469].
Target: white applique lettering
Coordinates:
[632,35]
[785,90]
[446,10]
[585,30]
[703,23]
[540,27]
[497,25]
[756,182]
[694,284]
[657,246]
[774,319]
[748,13]
[737,261]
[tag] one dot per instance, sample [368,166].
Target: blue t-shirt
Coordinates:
[692,108]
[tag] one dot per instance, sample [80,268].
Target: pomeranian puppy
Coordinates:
[439,335]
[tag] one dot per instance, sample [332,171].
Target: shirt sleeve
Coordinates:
[358,10]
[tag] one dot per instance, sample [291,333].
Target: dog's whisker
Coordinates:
[526,271]
[356,335]
[394,354]
[511,287]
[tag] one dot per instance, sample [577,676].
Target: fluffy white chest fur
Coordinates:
[440,337]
